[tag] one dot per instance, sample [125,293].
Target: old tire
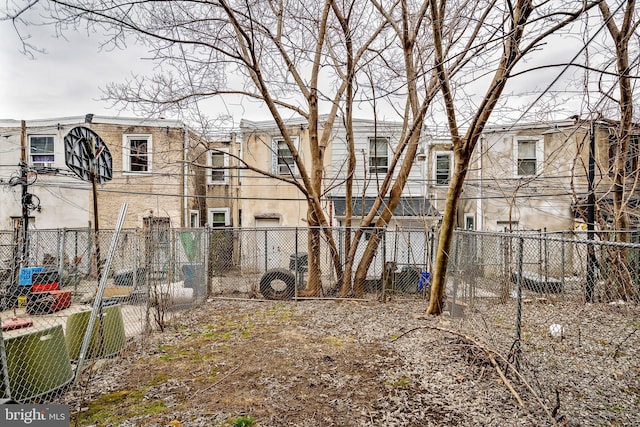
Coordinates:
[278,284]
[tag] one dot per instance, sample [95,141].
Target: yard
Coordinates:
[323,363]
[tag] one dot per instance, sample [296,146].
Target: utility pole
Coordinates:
[25,195]
[93,153]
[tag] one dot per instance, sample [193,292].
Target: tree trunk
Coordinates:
[438,283]
[620,282]
[464,146]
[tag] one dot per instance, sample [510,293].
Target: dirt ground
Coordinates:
[317,363]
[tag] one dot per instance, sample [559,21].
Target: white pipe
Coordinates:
[479,218]
[185,174]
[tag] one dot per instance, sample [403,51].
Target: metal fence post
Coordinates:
[266,249]
[517,345]
[408,246]
[295,266]
[207,256]
[61,250]
[562,260]
[97,304]
[384,246]
[456,272]
[5,369]
[546,255]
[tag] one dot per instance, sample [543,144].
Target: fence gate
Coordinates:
[157,246]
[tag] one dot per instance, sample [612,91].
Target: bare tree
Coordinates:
[624,181]
[300,58]
[621,37]
[285,55]
[525,25]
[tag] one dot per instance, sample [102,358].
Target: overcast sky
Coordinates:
[65,81]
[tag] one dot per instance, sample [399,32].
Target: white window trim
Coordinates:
[29,154]
[195,212]
[126,153]
[227,216]
[434,162]
[472,217]
[274,157]
[539,154]
[371,169]
[225,153]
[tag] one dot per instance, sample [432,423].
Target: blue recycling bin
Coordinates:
[424,280]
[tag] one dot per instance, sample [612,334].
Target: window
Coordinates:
[219,217]
[284,163]
[469,221]
[194,219]
[41,151]
[527,157]
[442,170]
[378,155]
[219,158]
[136,153]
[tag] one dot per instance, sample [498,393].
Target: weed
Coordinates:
[159,379]
[154,407]
[338,341]
[242,421]
[403,382]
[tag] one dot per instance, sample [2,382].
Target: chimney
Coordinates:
[88,118]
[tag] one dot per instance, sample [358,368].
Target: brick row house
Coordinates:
[526,176]
[268,202]
[152,170]
[534,176]
[529,176]
[161,168]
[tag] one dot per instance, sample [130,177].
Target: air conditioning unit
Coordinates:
[43,165]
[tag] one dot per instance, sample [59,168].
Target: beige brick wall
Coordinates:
[156,194]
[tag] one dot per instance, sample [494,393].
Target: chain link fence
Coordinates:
[53,318]
[273,263]
[546,302]
[562,310]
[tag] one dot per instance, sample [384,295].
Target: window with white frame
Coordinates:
[219,217]
[469,221]
[284,163]
[442,167]
[194,218]
[42,150]
[378,155]
[137,153]
[529,155]
[219,158]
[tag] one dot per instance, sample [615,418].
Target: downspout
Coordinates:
[185,178]
[479,218]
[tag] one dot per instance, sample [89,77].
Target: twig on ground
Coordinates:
[491,353]
[616,351]
[554,412]
[227,375]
